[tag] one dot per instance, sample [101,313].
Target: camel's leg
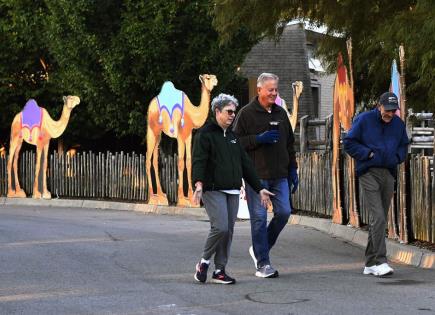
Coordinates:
[151,142]
[186,201]
[13,146]
[18,191]
[189,165]
[11,192]
[159,191]
[161,197]
[36,192]
[181,153]
[45,193]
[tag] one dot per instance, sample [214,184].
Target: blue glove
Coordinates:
[293,180]
[271,136]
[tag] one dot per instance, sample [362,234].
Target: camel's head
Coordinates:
[297,87]
[71,101]
[209,81]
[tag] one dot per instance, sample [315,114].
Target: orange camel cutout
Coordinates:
[176,121]
[343,112]
[38,133]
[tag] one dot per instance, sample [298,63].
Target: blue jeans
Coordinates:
[263,236]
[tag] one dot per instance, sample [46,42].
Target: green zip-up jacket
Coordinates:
[220,162]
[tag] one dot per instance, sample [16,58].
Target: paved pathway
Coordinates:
[86,261]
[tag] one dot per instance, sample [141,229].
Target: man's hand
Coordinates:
[271,136]
[293,180]
[264,196]
[197,194]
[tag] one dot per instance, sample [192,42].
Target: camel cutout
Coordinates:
[343,111]
[172,113]
[35,126]
[297,88]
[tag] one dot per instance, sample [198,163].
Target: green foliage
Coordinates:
[114,54]
[21,72]
[377,28]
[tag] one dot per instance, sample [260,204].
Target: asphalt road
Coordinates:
[86,261]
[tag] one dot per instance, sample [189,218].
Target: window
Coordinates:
[315,92]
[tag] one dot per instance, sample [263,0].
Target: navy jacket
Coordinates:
[387,141]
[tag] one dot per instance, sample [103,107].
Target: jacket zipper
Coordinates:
[231,156]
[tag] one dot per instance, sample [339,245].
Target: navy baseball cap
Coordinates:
[389,101]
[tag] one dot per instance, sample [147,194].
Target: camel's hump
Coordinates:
[31,105]
[169,97]
[31,115]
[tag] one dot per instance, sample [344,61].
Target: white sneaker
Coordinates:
[372,270]
[379,270]
[385,270]
[251,252]
[266,271]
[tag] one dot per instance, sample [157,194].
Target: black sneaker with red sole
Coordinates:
[201,272]
[222,278]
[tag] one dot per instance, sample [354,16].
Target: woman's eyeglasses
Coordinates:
[230,111]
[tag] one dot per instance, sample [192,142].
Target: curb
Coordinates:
[407,254]
[104,205]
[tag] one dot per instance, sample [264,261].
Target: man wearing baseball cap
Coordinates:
[378,142]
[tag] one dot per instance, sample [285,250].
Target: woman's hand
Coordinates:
[265,199]
[197,194]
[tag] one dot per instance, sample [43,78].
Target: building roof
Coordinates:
[287,58]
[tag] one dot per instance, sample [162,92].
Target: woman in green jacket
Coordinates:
[218,166]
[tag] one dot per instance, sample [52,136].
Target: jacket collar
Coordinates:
[378,114]
[216,126]
[260,108]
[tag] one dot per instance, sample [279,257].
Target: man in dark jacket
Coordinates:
[266,134]
[378,142]
[219,163]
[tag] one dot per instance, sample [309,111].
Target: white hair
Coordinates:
[223,100]
[266,77]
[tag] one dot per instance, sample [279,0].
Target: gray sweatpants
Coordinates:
[378,188]
[222,210]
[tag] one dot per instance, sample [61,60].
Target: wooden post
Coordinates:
[432,216]
[427,214]
[337,214]
[403,221]
[328,133]
[60,145]
[349,54]
[352,206]
[303,125]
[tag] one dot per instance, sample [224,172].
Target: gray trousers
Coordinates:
[222,210]
[378,188]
